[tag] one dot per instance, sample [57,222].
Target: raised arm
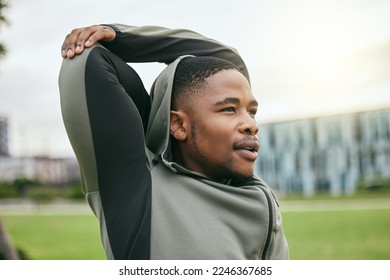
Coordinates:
[149,44]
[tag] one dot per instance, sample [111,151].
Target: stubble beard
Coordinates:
[225,169]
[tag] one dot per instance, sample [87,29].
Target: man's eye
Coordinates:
[229,109]
[253,112]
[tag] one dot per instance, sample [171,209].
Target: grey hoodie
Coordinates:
[187,215]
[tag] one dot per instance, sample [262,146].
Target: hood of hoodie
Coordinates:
[157,133]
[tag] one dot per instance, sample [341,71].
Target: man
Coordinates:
[170,175]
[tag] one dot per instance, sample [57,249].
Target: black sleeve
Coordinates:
[102,100]
[158,44]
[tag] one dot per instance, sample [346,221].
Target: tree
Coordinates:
[3,19]
[6,248]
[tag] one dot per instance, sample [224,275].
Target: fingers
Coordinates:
[85,37]
[64,48]
[70,43]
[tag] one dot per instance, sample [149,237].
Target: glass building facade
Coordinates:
[326,154]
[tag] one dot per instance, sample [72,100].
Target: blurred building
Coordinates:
[43,169]
[4,136]
[326,154]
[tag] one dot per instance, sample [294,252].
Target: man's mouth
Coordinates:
[247,147]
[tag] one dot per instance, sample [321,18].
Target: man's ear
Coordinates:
[177,125]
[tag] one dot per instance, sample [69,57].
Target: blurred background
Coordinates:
[319,69]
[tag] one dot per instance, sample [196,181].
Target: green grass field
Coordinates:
[319,235]
[338,235]
[56,237]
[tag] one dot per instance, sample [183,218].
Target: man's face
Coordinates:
[222,138]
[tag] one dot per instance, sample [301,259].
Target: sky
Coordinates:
[306,58]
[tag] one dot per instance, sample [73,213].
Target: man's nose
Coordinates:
[249,125]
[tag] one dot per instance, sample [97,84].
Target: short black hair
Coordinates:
[191,74]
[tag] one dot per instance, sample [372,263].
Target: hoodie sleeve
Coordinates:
[159,44]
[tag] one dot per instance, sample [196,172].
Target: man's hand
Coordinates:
[85,37]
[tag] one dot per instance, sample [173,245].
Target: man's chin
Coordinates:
[241,178]
[238,175]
